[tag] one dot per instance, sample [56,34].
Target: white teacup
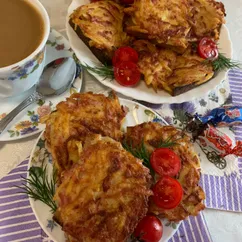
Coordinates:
[21,76]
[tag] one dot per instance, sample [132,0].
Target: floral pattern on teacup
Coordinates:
[30,67]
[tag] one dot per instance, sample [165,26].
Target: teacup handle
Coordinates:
[10,116]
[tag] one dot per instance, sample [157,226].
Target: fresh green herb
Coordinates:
[39,187]
[222,62]
[167,143]
[103,71]
[142,153]
[139,152]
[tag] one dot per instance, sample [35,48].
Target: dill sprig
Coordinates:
[222,62]
[39,187]
[138,152]
[103,71]
[141,152]
[167,143]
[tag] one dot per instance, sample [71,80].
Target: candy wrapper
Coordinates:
[212,138]
[223,116]
[219,142]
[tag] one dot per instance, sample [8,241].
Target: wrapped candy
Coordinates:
[219,142]
[223,116]
[212,138]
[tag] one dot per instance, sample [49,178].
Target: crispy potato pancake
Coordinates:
[206,19]
[152,134]
[75,119]
[168,70]
[100,26]
[105,195]
[161,21]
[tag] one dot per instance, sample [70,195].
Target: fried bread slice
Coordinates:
[206,18]
[160,21]
[166,69]
[100,26]
[154,133]
[81,115]
[103,196]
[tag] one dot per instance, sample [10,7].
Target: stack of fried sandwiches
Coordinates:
[103,190]
[163,32]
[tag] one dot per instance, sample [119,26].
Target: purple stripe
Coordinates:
[219,197]
[21,235]
[240,192]
[17,220]
[182,236]
[15,205]
[24,162]
[235,79]
[213,191]
[234,85]
[11,184]
[238,128]
[235,196]
[238,137]
[34,240]
[229,192]
[235,72]
[13,177]
[195,228]
[188,230]
[224,205]
[13,198]
[235,75]
[18,169]
[207,189]
[19,228]
[234,89]
[10,192]
[237,100]
[238,133]
[206,226]
[240,165]
[16,212]
[202,226]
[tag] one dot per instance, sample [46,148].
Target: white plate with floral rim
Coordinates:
[136,114]
[27,122]
[141,91]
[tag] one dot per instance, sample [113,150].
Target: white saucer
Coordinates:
[27,122]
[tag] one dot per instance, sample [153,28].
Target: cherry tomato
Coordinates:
[125,53]
[167,193]
[207,49]
[165,162]
[127,73]
[149,229]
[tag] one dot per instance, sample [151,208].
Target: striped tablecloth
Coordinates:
[18,222]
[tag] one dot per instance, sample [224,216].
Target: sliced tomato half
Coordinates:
[207,49]
[125,53]
[127,73]
[166,162]
[168,193]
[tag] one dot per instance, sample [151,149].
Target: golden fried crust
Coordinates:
[102,23]
[165,69]
[75,119]
[162,21]
[152,134]
[105,196]
[206,18]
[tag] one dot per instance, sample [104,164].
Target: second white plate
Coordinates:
[142,92]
